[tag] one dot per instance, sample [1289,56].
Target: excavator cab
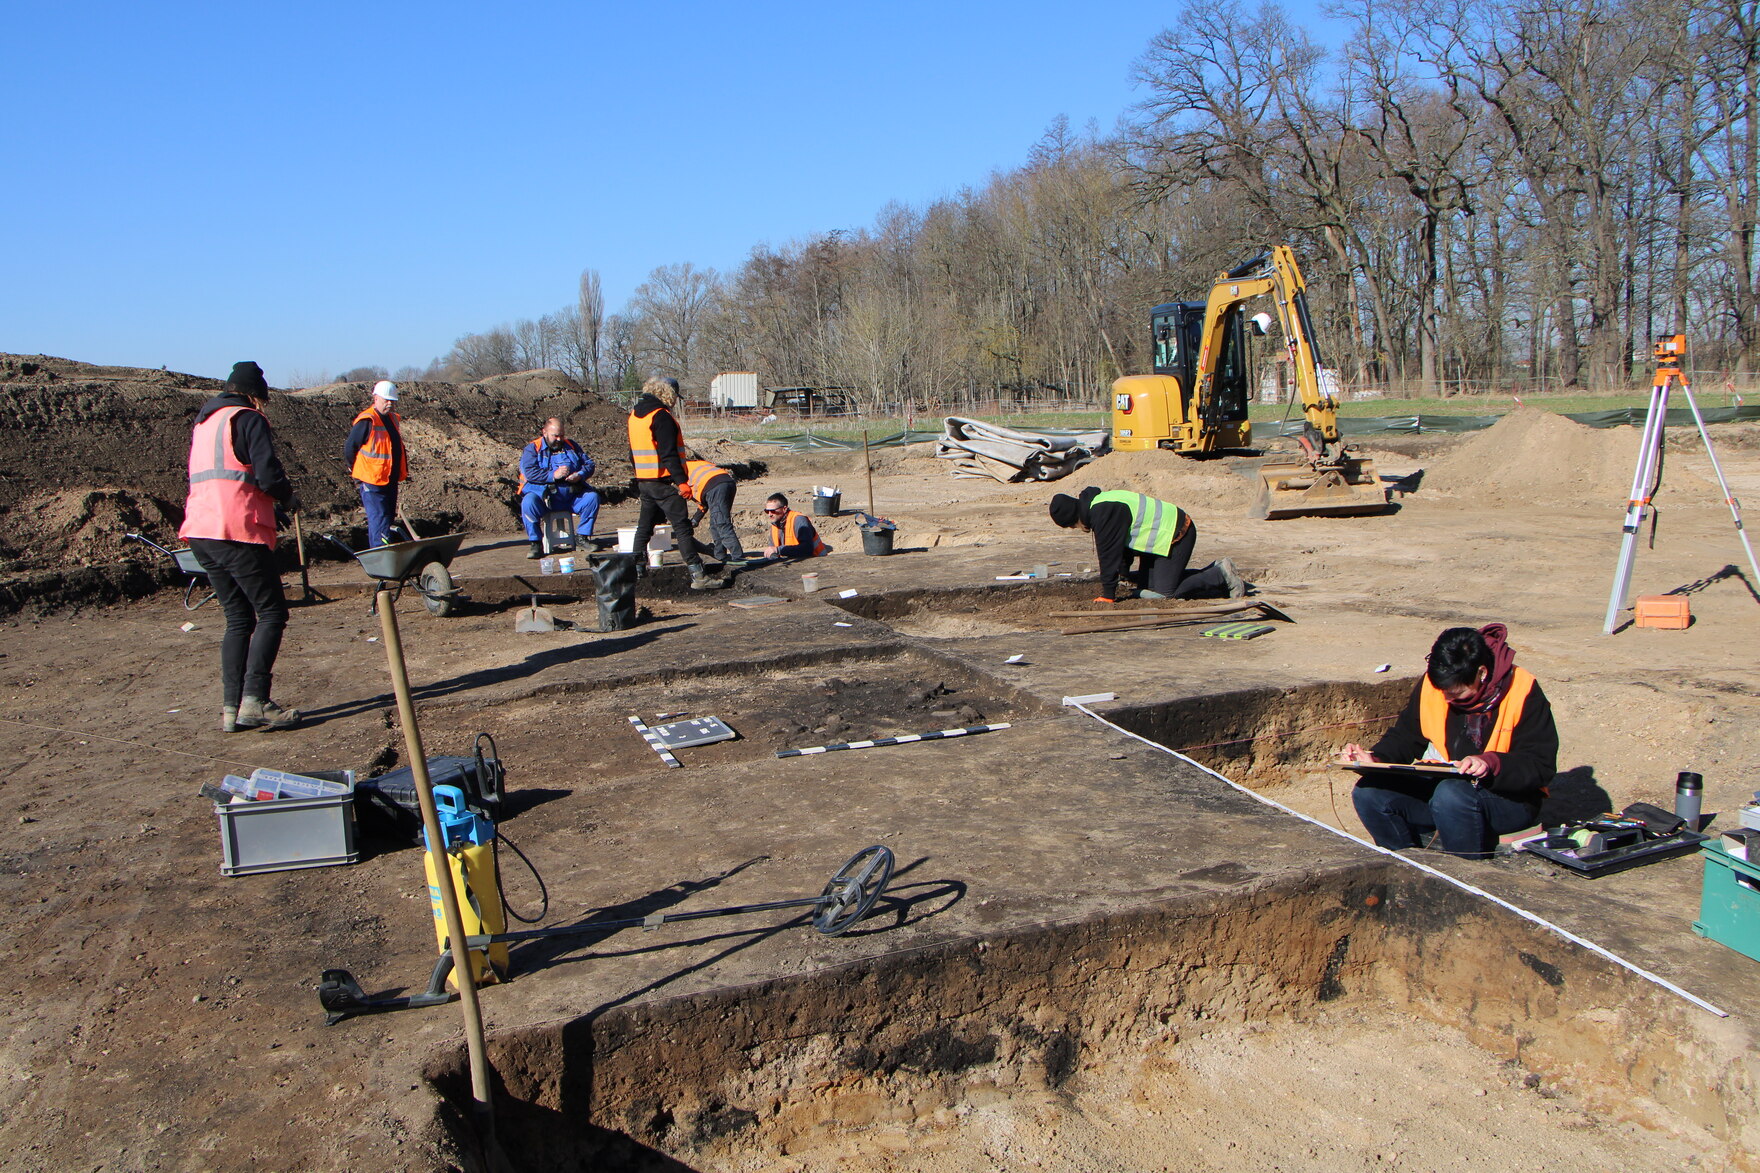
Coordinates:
[1163,410]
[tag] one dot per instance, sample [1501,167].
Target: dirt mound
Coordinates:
[85,527]
[71,430]
[1534,456]
[1198,485]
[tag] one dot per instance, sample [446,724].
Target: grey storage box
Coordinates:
[282,834]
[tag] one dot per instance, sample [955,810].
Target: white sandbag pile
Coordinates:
[981,449]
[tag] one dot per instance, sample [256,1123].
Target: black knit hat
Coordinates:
[247,380]
[1065,510]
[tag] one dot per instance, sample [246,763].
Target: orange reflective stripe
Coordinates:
[1433,713]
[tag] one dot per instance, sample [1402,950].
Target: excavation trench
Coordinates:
[1114,1043]
[1272,1012]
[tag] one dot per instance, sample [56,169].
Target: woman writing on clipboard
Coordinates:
[1474,709]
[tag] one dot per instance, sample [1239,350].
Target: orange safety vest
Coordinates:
[224,500]
[372,464]
[1433,713]
[699,473]
[644,452]
[782,533]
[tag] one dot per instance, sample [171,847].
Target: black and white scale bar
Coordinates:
[905,740]
[654,742]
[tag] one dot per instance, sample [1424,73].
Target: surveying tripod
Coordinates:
[1648,477]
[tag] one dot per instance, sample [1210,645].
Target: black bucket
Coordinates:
[827,506]
[877,539]
[614,581]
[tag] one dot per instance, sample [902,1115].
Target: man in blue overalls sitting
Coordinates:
[553,474]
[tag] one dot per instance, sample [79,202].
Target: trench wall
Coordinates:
[907,1037]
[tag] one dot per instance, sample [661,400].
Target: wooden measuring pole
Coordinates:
[870,466]
[299,537]
[455,935]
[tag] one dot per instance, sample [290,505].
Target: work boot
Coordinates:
[702,580]
[254,713]
[537,550]
[1237,586]
[229,718]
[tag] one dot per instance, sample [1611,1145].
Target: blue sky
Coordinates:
[318,186]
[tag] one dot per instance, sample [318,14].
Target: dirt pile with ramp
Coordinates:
[88,453]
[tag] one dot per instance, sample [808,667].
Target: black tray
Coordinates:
[1621,858]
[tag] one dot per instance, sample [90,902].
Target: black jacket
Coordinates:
[666,437]
[253,442]
[1521,773]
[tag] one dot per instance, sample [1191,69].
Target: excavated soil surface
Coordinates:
[1093,956]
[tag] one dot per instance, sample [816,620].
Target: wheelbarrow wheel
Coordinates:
[853,890]
[436,584]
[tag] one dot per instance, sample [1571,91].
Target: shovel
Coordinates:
[533,618]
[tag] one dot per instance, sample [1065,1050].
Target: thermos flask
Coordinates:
[1688,789]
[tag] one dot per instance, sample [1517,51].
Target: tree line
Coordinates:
[1484,195]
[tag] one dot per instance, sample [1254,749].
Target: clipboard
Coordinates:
[1406,773]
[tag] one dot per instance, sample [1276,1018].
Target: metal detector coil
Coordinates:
[848,897]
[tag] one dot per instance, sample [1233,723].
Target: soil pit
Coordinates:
[770,710]
[1003,609]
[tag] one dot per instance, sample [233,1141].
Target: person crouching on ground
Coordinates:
[1473,707]
[229,520]
[376,460]
[791,534]
[655,445]
[712,487]
[1129,526]
[553,475]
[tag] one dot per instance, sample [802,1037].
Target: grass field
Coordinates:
[850,429]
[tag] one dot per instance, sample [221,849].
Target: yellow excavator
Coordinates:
[1196,401]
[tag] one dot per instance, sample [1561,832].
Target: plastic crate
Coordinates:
[1729,904]
[282,834]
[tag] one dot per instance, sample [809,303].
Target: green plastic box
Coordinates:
[1729,904]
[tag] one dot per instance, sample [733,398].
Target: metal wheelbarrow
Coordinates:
[422,563]
[185,561]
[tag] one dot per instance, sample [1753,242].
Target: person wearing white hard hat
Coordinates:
[376,459]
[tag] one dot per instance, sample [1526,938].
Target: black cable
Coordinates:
[543,891]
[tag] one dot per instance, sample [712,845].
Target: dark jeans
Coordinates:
[380,502]
[718,506]
[248,586]
[661,497]
[1166,574]
[1467,819]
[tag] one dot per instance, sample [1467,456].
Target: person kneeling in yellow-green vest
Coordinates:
[1476,709]
[1130,526]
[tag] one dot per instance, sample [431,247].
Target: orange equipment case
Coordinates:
[1668,612]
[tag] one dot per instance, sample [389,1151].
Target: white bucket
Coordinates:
[626,539]
[655,557]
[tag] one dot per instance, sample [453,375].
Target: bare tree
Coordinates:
[670,309]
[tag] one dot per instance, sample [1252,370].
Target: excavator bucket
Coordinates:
[1298,488]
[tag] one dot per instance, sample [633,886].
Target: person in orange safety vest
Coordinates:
[1476,709]
[656,450]
[377,461]
[712,487]
[791,534]
[237,487]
